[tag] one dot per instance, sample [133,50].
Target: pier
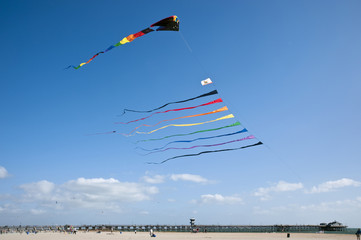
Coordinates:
[323,227]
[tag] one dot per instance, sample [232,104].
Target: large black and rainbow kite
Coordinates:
[167,24]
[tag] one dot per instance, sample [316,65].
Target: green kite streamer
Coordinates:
[186,134]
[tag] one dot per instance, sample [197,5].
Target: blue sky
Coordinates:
[288,70]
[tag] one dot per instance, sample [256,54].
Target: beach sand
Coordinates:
[177,236]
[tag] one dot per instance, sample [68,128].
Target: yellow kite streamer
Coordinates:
[188,124]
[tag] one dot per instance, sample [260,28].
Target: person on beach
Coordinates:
[151,233]
[358,234]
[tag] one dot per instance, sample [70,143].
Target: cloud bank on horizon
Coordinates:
[99,194]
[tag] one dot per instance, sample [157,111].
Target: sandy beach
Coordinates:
[177,236]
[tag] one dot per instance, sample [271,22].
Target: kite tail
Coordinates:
[91,59]
[168,24]
[122,113]
[70,66]
[104,133]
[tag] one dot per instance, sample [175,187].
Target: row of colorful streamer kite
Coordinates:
[204,129]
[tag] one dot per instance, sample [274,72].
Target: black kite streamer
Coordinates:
[206,145]
[181,101]
[214,151]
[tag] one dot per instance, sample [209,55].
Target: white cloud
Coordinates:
[3,172]
[154,180]
[41,187]
[219,199]
[144,213]
[332,185]
[281,186]
[86,193]
[259,211]
[99,189]
[188,177]
[339,206]
[37,211]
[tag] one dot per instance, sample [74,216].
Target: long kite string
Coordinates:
[207,74]
[201,65]
[191,51]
